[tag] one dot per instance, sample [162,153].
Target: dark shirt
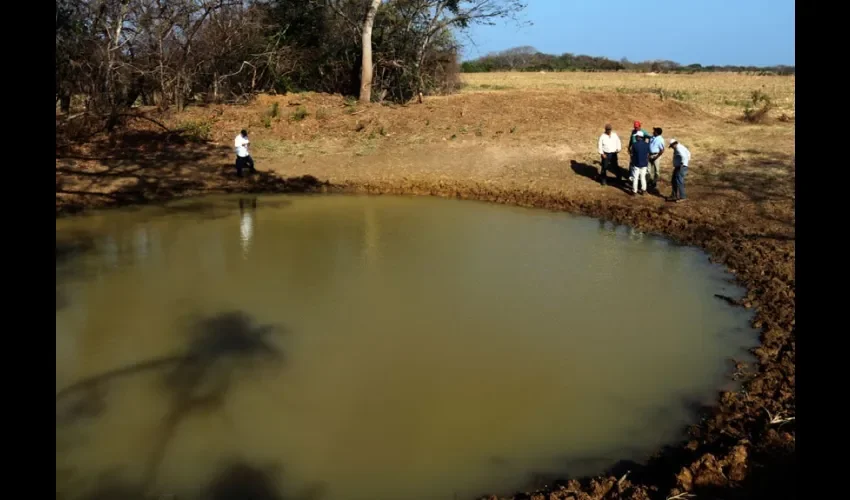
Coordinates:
[640,154]
[633,136]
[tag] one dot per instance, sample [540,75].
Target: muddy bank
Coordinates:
[744,447]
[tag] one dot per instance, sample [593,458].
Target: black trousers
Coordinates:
[242,162]
[610,163]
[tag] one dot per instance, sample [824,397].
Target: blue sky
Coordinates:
[736,32]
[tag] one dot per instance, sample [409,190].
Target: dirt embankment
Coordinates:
[529,149]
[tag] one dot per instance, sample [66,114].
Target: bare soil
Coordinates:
[527,148]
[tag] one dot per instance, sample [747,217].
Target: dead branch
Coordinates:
[682,496]
[778,419]
[143,117]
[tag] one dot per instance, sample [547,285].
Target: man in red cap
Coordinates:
[631,142]
[634,133]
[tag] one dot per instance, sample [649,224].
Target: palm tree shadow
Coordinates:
[237,480]
[201,380]
[226,335]
[197,380]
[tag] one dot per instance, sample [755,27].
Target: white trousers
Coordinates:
[638,174]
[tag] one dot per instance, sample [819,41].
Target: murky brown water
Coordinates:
[372,347]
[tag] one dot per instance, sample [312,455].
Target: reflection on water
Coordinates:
[432,348]
[371,241]
[246,223]
[635,235]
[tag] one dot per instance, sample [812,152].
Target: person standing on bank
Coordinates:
[640,163]
[632,139]
[681,160]
[656,149]
[243,157]
[609,147]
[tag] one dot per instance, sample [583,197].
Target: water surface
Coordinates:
[342,347]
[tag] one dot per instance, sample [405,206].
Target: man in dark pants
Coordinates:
[681,160]
[609,146]
[243,158]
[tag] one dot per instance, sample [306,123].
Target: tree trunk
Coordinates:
[65,102]
[366,65]
[178,93]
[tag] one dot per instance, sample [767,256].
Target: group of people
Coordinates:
[645,152]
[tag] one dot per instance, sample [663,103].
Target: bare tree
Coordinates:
[114,53]
[517,57]
[366,64]
[435,17]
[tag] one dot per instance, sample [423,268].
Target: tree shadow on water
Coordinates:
[238,480]
[69,248]
[201,380]
[196,381]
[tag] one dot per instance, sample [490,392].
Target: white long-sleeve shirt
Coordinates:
[609,143]
[241,144]
[681,156]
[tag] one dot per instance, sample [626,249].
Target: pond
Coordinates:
[354,347]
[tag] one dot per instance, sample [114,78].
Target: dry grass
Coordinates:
[723,94]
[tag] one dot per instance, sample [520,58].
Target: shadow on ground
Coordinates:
[767,179]
[592,172]
[142,166]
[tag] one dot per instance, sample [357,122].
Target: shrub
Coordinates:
[196,131]
[300,113]
[759,106]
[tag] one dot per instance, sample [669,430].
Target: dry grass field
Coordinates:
[724,94]
[530,139]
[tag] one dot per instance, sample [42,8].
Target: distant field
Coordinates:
[723,94]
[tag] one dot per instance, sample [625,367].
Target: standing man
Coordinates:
[609,146]
[681,160]
[632,139]
[243,158]
[656,149]
[640,162]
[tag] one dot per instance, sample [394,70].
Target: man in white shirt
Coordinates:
[609,146]
[243,158]
[681,160]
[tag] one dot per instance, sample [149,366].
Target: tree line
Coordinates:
[530,59]
[113,54]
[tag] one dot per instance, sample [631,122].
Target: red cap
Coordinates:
[637,124]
